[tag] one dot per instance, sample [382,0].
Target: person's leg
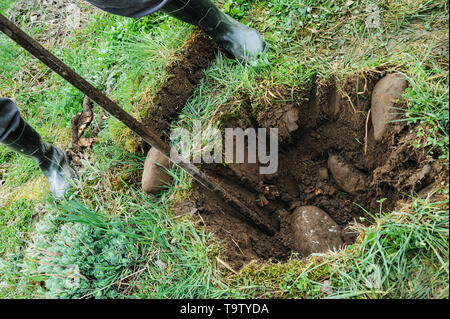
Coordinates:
[19,136]
[243,42]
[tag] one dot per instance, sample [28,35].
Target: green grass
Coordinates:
[160,257]
[403,254]
[5,5]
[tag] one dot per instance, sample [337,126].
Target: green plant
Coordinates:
[4,5]
[76,260]
[428,103]
[237,8]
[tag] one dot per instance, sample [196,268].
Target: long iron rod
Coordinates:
[46,57]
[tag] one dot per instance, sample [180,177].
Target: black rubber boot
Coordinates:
[243,42]
[51,160]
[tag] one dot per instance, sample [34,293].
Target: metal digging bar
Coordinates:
[38,51]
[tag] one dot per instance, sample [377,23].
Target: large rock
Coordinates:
[155,176]
[315,231]
[387,91]
[347,177]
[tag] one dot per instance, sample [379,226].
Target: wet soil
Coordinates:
[328,158]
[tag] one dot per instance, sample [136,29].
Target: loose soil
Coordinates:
[314,125]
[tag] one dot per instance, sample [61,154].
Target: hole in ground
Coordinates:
[328,159]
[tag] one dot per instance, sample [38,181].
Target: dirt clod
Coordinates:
[347,177]
[323,174]
[285,119]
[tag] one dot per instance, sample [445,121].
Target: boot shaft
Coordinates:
[52,161]
[201,13]
[26,141]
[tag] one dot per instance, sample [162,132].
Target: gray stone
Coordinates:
[155,176]
[348,178]
[384,96]
[315,231]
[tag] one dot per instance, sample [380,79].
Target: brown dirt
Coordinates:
[185,71]
[315,125]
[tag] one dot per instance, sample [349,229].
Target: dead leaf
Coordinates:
[263,200]
[87,142]
[317,191]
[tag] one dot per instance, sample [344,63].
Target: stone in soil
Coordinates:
[385,94]
[323,173]
[285,119]
[348,178]
[155,176]
[314,231]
